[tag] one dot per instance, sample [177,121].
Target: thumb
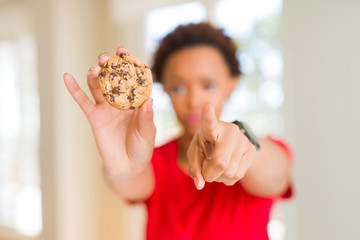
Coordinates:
[209,123]
[145,122]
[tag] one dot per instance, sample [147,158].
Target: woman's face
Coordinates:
[194,76]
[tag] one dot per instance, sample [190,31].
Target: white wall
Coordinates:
[322,85]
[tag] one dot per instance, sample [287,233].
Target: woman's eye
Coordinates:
[209,86]
[178,90]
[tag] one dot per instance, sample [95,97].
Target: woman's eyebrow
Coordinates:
[206,79]
[175,79]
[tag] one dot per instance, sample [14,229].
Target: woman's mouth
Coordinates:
[193,119]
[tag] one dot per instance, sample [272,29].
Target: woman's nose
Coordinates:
[195,99]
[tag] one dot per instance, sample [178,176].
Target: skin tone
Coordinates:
[198,82]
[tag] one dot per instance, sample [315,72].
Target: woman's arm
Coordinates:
[221,152]
[136,187]
[269,173]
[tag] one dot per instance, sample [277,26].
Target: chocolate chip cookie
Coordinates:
[125,81]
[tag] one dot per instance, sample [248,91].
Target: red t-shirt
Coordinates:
[177,210]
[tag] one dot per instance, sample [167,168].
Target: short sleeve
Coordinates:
[290,155]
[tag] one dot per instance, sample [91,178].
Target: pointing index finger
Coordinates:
[209,124]
[195,165]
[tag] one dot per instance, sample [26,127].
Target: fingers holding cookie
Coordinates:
[122,49]
[103,58]
[93,83]
[124,80]
[93,80]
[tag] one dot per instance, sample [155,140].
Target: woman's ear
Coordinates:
[231,85]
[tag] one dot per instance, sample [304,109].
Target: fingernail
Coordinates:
[201,185]
[149,106]
[90,70]
[196,181]
[101,55]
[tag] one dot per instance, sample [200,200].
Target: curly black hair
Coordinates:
[191,35]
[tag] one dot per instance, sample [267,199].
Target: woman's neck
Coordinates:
[184,143]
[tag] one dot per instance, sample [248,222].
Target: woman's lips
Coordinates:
[193,119]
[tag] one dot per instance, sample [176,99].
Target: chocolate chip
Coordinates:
[140,81]
[140,74]
[115,66]
[113,75]
[112,97]
[106,65]
[104,94]
[121,71]
[132,108]
[130,98]
[132,91]
[102,74]
[122,55]
[116,90]
[135,65]
[126,76]
[125,63]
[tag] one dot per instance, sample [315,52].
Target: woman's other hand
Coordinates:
[219,151]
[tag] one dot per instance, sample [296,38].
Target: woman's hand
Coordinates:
[125,139]
[219,151]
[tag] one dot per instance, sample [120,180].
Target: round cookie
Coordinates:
[125,81]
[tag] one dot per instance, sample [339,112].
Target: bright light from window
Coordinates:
[239,17]
[272,64]
[28,219]
[10,108]
[252,24]
[271,94]
[276,230]
[241,102]
[20,193]
[161,21]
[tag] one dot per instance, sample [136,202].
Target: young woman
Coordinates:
[213,182]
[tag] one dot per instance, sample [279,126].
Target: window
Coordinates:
[20,194]
[253,25]
[157,28]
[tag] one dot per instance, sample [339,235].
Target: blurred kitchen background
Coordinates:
[301,81]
